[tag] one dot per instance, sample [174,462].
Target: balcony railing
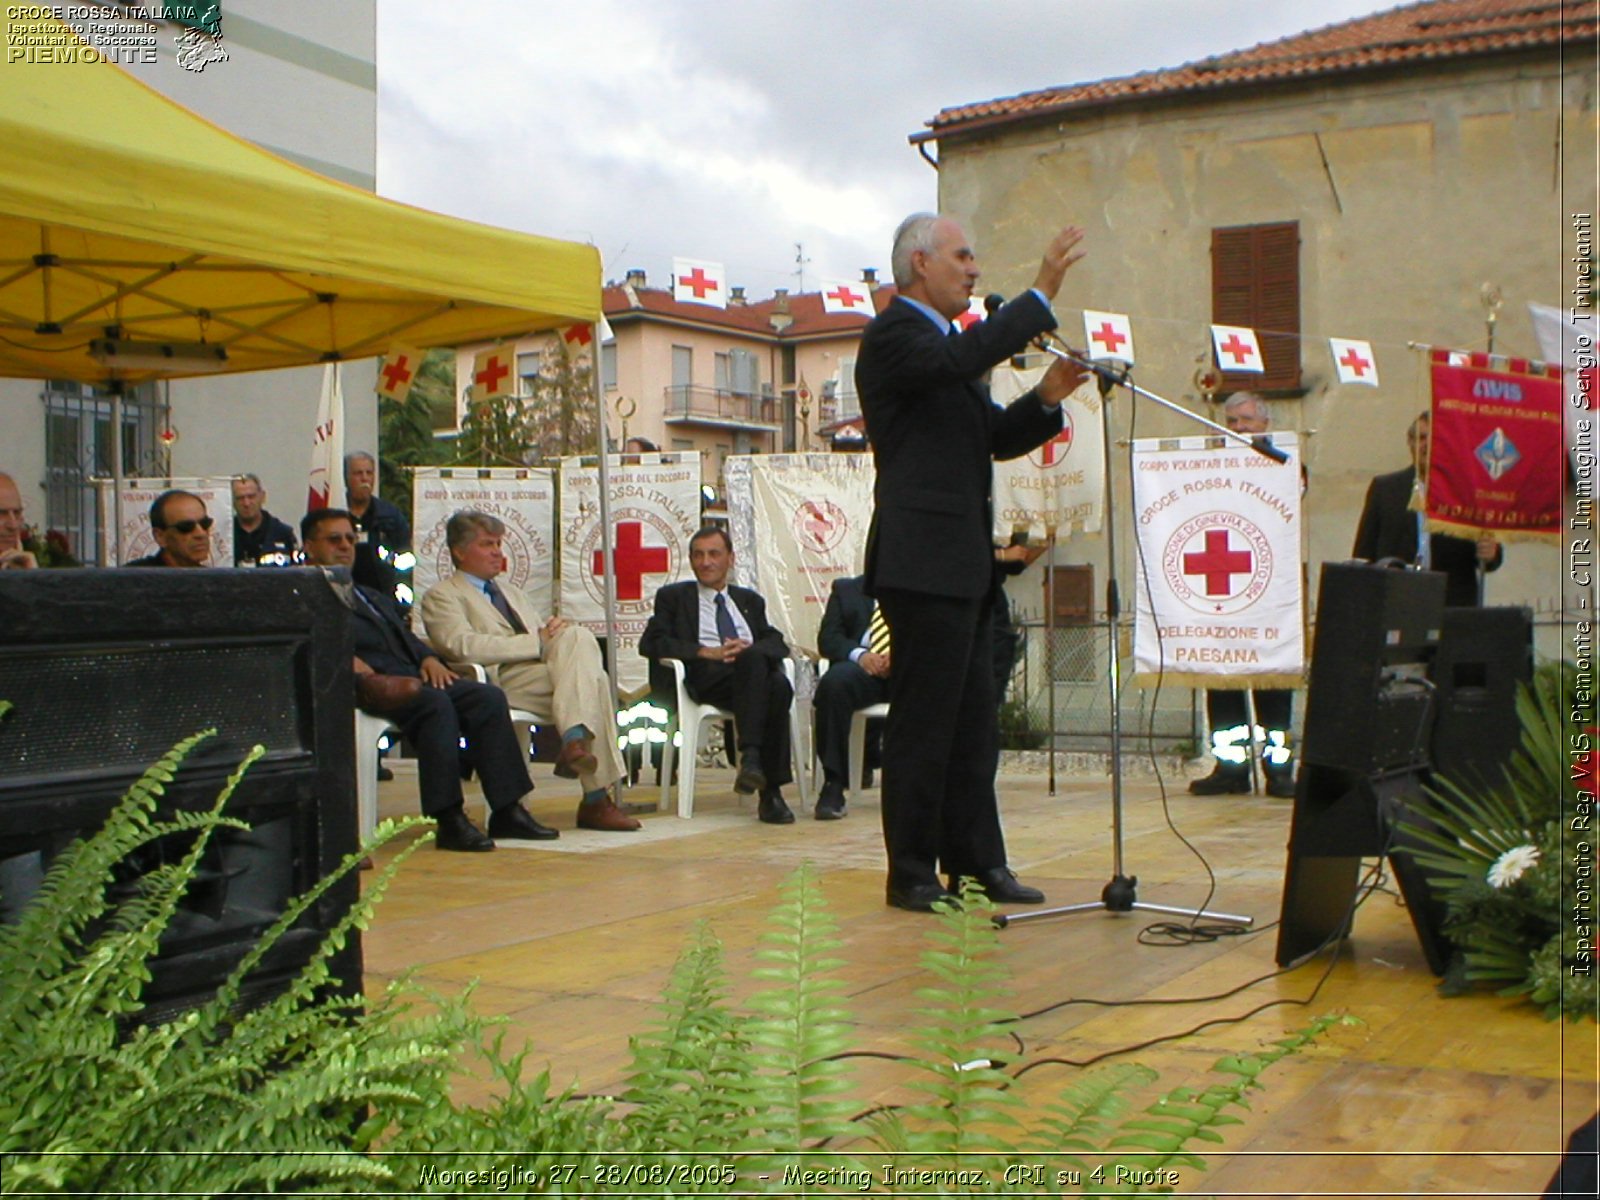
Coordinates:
[717,406]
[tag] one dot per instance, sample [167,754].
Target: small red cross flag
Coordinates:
[840,297]
[578,340]
[1108,335]
[398,371]
[1354,361]
[1237,348]
[493,373]
[975,313]
[697,282]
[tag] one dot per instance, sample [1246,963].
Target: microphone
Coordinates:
[993,303]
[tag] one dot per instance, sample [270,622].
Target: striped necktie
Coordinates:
[877,631]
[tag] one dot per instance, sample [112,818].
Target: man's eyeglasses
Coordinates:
[187,527]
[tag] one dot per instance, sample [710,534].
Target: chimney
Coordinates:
[869,276]
[635,278]
[780,318]
[736,297]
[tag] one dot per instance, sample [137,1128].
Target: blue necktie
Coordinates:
[498,599]
[726,629]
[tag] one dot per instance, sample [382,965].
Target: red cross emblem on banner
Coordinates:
[1056,448]
[395,373]
[493,372]
[577,335]
[1355,362]
[845,296]
[1218,564]
[1237,349]
[1109,337]
[634,560]
[698,282]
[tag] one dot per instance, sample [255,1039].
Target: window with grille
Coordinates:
[1255,282]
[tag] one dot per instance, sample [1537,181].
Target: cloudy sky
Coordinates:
[731,130]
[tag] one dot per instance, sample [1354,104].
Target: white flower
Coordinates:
[1511,865]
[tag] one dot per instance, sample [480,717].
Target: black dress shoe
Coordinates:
[922,897]
[516,824]
[773,809]
[751,778]
[830,803]
[384,774]
[1001,885]
[1280,784]
[453,831]
[1223,781]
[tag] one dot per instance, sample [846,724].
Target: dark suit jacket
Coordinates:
[935,434]
[674,628]
[382,639]
[845,619]
[1388,529]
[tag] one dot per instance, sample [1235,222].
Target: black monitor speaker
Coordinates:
[107,670]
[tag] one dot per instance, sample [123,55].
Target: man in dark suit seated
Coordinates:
[447,707]
[935,434]
[732,659]
[1389,528]
[857,678]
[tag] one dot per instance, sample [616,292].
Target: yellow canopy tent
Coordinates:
[124,215]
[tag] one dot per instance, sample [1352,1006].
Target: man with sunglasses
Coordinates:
[182,530]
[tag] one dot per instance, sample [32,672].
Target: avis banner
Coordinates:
[1496,447]
[133,538]
[808,526]
[1058,487]
[522,497]
[1219,598]
[655,510]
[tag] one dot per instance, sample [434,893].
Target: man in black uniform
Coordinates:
[384,528]
[257,534]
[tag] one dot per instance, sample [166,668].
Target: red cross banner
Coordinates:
[853,298]
[493,373]
[1495,441]
[578,340]
[1108,336]
[1219,600]
[697,282]
[1237,348]
[325,480]
[808,526]
[398,372]
[655,509]
[1354,361]
[523,497]
[1060,486]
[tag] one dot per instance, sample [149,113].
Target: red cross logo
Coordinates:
[1355,362]
[1218,563]
[846,297]
[1108,337]
[635,560]
[493,372]
[577,335]
[1239,351]
[698,282]
[1056,448]
[395,373]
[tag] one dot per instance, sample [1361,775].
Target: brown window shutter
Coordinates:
[1255,282]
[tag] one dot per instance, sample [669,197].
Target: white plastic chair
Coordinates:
[520,717]
[686,722]
[368,730]
[855,772]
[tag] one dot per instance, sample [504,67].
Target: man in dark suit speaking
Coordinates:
[733,659]
[930,560]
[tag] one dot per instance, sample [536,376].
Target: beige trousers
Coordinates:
[569,687]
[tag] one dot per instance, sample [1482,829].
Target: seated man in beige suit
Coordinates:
[551,668]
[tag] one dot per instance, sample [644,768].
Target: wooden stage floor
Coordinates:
[572,941]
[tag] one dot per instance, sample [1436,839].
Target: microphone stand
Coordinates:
[1121,894]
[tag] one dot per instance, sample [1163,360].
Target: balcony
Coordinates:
[721,409]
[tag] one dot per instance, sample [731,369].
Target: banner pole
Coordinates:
[603,436]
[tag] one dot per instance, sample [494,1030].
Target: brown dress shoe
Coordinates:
[606,816]
[576,758]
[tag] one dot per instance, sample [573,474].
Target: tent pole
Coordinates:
[605,519]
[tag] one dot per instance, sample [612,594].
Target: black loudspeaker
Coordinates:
[1369,700]
[1484,655]
[1368,727]
[107,670]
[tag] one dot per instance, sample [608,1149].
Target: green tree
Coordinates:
[406,428]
